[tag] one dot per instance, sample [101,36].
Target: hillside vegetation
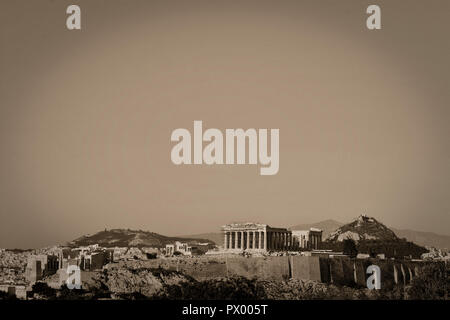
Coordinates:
[131,238]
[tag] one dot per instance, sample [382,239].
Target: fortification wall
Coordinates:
[339,271]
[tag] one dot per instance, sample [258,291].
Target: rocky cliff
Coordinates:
[363,228]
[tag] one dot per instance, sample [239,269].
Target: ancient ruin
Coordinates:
[256,237]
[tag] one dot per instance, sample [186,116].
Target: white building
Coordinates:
[180,247]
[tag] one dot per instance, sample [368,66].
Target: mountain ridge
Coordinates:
[131,238]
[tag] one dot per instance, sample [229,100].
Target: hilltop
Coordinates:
[132,238]
[372,237]
[363,228]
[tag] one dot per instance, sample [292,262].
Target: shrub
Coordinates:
[42,289]
[432,283]
[237,288]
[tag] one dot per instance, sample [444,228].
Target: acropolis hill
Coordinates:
[249,250]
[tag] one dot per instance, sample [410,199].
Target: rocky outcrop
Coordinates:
[363,228]
[122,281]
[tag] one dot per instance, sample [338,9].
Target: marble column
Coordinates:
[229,240]
[264,233]
[259,240]
[277,240]
[242,240]
[286,241]
[254,240]
[274,240]
[280,241]
[247,240]
[271,240]
[235,240]
[225,240]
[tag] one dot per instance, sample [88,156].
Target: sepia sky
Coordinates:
[86,116]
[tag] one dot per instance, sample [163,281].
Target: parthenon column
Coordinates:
[275,240]
[265,240]
[254,240]
[248,239]
[286,240]
[242,240]
[280,240]
[229,240]
[225,240]
[259,240]
[235,240]
[269,240]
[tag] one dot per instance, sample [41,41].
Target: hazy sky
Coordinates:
[86,116]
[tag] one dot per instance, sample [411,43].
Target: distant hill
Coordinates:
[216,237]
[372,237]
[132,238]
[428,239]
[363,228]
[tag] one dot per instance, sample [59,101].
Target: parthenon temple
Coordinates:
[257,237]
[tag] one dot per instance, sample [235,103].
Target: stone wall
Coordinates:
[339,270]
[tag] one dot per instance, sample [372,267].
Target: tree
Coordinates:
[43,290]
[350,248]
[432,283]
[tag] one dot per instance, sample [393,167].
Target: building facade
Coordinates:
[179,247]
[256,237]
[308,239]
[41,265]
